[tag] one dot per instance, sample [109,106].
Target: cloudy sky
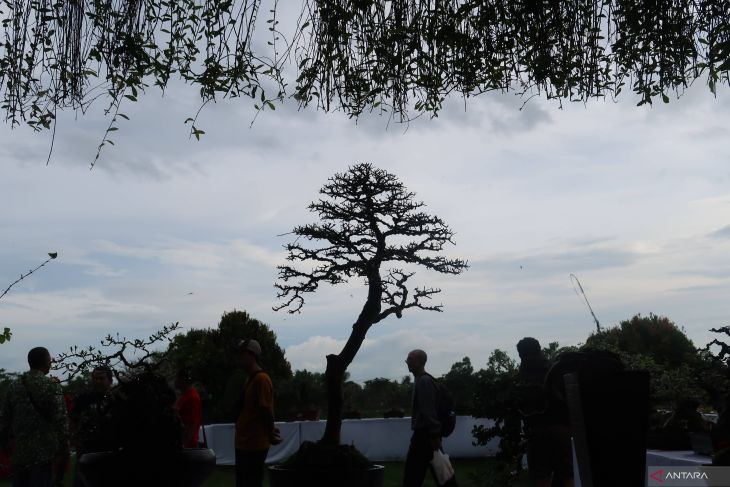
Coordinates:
[633,200]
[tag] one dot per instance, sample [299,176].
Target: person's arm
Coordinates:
[60,418]
[188,434]
[267,415]
[184,412]
[266,404]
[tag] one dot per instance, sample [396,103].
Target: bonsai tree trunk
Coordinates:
[337,364]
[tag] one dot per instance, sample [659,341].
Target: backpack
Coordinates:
[444,408]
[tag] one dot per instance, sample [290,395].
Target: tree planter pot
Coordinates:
[292,477]
[183,468]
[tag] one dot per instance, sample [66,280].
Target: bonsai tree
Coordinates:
[140,406]
[371,228]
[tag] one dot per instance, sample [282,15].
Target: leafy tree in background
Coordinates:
[371,229]
[655,343]
[6,378]
[461,382]
[495,398]
[305,391]
[655,336]
[355,56]
[210,354]
[381,395]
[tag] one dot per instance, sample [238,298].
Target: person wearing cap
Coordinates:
[255,431]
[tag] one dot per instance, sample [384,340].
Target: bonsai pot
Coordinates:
[182,468]
[280,476]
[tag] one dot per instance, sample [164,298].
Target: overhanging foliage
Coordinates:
[405,56]
[413,53]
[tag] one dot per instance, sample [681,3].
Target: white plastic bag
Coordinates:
[442,467]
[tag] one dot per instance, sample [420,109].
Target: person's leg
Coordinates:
[59,471]
[77,478]
[561,459]
[250,468]
[538,463]
[20,477]
[417,461]
[41,475]
[239,468]
[258,467]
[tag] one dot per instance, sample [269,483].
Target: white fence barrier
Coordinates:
[378,439]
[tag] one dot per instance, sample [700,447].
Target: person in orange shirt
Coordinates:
[189,407]
[255,431]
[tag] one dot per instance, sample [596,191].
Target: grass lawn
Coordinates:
[468,473]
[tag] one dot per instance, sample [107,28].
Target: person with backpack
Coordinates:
[427,424]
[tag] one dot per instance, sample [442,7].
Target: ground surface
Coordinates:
[468,471]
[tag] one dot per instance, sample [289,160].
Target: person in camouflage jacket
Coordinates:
[34,412]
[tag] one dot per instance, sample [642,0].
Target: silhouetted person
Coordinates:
[549,450]
[35,411]
[426,437]
[90,417]
[91,411]
[255,431]
[189,407]
[721,433]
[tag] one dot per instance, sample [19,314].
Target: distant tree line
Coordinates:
[678,371]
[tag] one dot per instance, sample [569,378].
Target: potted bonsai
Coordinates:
[142,431]
[370,228]
[146,441]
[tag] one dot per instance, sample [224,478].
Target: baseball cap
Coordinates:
[250,345]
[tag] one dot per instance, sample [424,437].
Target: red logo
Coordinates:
[657,476]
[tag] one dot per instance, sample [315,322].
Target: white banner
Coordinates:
[378,439]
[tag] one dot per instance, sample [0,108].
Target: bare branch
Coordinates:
[396,295]
[724,353]
[124,356]
[51,256]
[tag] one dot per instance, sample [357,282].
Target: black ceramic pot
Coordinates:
[362,477]
[183,468]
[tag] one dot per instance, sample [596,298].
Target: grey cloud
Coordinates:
[703,288]
[724,232]
[551,263]
[711,132]
[719,271]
